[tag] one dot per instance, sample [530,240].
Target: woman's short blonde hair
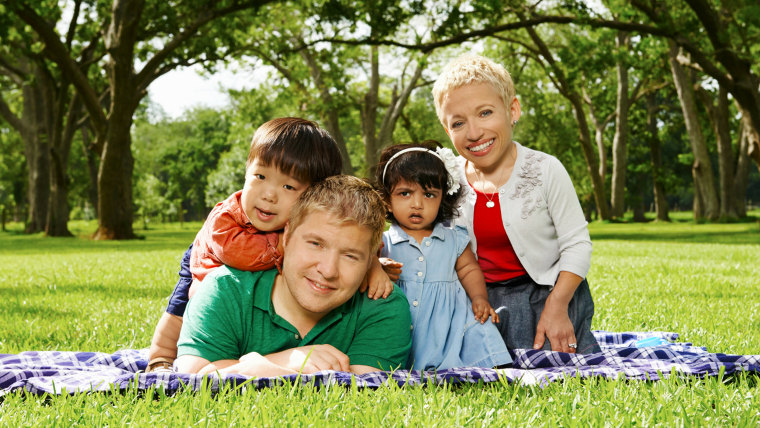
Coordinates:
[471,69]
[348,200]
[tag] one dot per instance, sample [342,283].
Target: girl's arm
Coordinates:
[474,284]
[383,272]
[554,322]
[376,283]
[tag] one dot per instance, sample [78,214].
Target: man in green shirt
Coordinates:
[311,316]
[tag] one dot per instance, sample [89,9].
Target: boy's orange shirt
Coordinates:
[228,238]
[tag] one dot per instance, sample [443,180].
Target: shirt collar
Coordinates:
[262,295]
[397,234]
[236,210]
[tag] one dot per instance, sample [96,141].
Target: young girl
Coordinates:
[449,329]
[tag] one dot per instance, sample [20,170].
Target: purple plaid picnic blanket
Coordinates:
[69,372]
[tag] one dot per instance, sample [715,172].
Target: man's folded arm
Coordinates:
[251,364]
[307,359]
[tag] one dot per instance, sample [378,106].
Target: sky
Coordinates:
[181,90]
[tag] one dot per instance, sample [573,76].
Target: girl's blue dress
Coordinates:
[445,333]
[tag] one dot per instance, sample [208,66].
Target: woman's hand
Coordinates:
[483,310]
[556,326]
[555,323]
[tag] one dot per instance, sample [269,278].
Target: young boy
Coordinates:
[287,155]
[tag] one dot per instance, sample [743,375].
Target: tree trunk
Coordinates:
[725,157]
[92,168]
[58,214]
[329,115]
[332,123]
[620,141]
[660,202]
[115,214]
[719,116]
[702,167]
[753,136]
[37,154]
[127,87]
[599,126]
[741,176]
[737,73]
[753,149]
[369,114]
[576,101]
[397,104]
[698,205]
[639,209]
[597,182]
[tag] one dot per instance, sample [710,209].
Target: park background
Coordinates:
[652,106]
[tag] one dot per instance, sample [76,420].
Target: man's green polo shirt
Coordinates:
[232,315]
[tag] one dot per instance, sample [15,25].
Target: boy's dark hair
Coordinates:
[417,167]
[298,147]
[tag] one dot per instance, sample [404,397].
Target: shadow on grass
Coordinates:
[18,244]
[161,238]
[95,291]
[746,237]
[173,238]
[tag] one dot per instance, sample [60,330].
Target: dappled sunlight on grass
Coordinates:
[731,233]
[705,292]
[162,237]
[79,294]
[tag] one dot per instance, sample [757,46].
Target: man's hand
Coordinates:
[376,282]
[310,359]
[483,310]
[254,364]
[306,359]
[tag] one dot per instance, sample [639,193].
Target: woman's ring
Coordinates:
[572,345]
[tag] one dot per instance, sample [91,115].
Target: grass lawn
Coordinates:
[701,281]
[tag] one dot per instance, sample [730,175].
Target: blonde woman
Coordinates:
[520,208]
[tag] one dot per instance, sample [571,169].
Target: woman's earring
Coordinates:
[514,122]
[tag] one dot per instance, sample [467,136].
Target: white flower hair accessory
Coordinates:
[445,155]
[450,162]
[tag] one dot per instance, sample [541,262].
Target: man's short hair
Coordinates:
[349,200]
[471,69]
[297,147]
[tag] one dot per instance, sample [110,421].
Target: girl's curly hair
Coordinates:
[417,167]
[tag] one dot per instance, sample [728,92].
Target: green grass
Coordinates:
[698,280]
